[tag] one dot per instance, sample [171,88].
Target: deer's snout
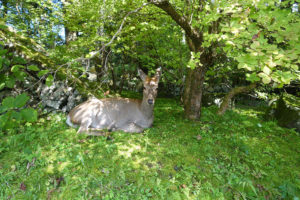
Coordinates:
[150,101]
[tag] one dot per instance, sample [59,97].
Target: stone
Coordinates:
[59,96]
[286,110]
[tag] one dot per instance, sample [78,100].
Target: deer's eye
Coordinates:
[144,88]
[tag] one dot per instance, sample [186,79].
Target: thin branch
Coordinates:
[30,87]
[97,52]
[182,21]
[106,60]
[231,94]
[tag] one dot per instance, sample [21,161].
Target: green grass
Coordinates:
[236,156]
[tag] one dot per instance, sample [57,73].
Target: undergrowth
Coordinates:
[235,156]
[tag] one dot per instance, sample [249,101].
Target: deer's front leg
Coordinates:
[132,128]
[92,131]
[85,129]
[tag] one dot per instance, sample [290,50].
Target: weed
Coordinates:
[236,156]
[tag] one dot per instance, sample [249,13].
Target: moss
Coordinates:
[285,113]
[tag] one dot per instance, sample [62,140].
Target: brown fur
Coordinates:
[129,115]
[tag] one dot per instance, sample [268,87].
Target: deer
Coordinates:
[128,115]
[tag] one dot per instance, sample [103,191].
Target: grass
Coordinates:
[236,156]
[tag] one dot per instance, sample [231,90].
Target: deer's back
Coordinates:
[106,111]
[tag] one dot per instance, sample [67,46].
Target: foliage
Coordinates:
[256,39]
[37,19]
[237,156]
[264,40]
[14,110]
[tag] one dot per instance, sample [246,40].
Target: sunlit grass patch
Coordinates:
[220,157]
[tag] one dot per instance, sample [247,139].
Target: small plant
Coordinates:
[241,157]
[13,110]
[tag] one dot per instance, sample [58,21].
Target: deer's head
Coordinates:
[150,85]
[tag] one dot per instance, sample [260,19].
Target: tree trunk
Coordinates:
[194,78]
[5,8]
[69,35]
[193,93]
[114,81]
[100,62]
[231,94]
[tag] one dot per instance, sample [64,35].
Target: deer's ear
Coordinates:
[142,74]
[158,73]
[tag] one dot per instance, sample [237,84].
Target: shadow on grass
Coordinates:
[233,156]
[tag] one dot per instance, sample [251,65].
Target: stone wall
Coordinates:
[59,96]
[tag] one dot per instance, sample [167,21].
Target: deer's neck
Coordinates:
[146,108]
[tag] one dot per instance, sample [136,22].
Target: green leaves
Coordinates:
[43,72]
[14,103]
[21,100]
[266,70]
[265,78]
[2,85]
[252,77]
[33,68]
[49,80]
[7,103]
[12,112]
[268,44]
[29,114]
[194,60]
[16,68]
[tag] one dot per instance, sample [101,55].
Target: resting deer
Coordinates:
[129,115]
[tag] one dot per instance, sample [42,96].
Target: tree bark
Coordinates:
[180,20]
[5,8]
[69,35]
[195,77]
[193,93]
[227,99]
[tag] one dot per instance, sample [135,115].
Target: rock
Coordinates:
[286,110]
[213,95]
[92,77]
[59,96]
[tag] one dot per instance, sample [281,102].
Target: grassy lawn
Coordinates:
[236,156]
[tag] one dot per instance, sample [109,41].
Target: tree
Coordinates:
[262,37]
[195,77]
[256,39]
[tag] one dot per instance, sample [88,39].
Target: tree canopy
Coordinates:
[192,41]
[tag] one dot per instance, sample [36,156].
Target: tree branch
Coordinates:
[97,52]
[180,20]
[231,94]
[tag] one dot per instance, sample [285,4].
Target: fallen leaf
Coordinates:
[106,93]
[49,193]
[31,164]
[13,168]
[256,35]
[23,186]
[150,165]
[109,138]
[59,180]
[176,168]
[199,137]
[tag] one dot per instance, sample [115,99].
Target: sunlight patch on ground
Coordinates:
[50,169]
[127,150]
